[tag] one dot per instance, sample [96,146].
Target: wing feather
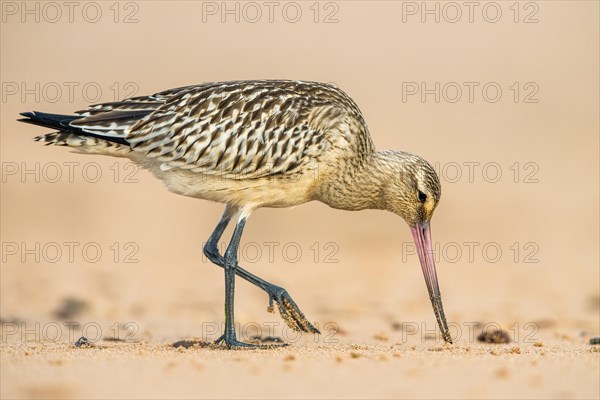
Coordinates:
[237,129]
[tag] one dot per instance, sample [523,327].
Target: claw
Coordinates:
[291,314]
[290,322]
[299,317]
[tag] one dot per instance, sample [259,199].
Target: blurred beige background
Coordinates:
[541,135]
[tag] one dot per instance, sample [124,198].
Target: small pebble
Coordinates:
[83,342]
[595,340]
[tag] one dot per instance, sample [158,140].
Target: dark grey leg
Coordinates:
[230,270]
[288,309]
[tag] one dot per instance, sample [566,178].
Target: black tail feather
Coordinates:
[62,123]
[56,121]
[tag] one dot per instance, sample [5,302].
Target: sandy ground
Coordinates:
[93,247]
[366,349]
[561,370]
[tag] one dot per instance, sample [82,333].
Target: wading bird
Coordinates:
[252,144]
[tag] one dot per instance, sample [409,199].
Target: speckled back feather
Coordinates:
[243,129]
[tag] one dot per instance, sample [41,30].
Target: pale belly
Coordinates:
[246,193]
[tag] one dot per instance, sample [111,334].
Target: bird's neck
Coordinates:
[358,185]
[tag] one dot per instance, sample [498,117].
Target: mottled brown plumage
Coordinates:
[252,144]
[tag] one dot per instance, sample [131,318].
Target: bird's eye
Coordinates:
[422,197]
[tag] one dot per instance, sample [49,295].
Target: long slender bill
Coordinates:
[422,235]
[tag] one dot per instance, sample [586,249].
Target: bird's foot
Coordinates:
[291,314]
[233,343]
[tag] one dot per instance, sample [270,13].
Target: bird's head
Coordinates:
[412,190]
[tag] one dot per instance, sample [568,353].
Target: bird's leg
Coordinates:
[288,309]
[230,267]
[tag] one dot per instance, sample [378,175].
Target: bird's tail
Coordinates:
[67,135]
[57,121]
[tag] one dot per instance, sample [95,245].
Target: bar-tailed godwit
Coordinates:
[252,144]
